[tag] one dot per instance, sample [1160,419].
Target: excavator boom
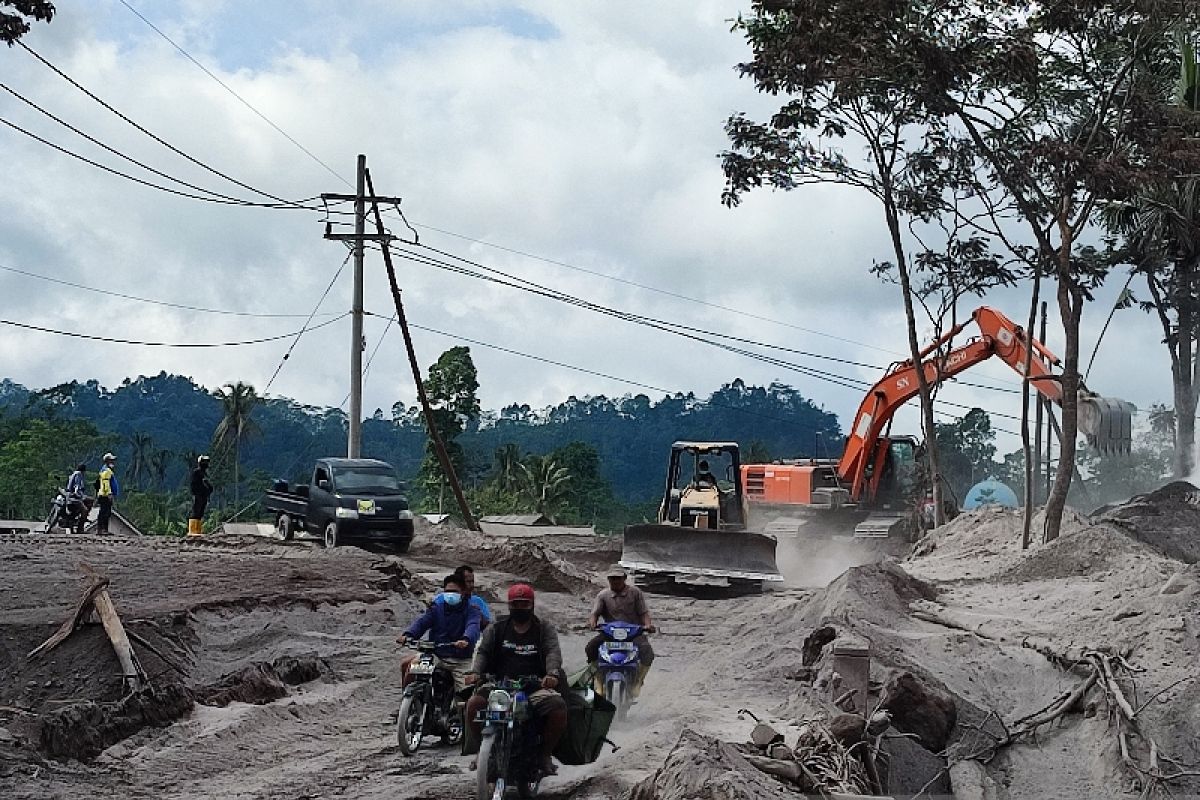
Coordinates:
[1106,422]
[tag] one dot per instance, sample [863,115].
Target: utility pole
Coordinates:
[357,344]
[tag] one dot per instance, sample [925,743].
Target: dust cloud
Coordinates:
[812,558]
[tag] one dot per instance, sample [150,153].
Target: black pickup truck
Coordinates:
[349,500]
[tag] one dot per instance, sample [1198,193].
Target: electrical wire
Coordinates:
[140,343]
[241,99]
[181,306]
[305,327]
[282,201]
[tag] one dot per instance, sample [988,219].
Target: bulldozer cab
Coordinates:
[703,489]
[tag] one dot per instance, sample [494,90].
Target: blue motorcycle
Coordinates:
[619,662]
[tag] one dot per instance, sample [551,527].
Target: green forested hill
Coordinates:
[165,418]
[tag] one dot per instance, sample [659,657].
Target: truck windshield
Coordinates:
[366,480]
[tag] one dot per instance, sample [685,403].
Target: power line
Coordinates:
[123,296]
[241,99]
[114,340]
[305,327]
[160,140]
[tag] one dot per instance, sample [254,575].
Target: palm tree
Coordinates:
[238,401]
[160,460]
[508,467]
[545,484]
[139,461]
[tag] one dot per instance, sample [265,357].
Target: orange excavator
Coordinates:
[876,471]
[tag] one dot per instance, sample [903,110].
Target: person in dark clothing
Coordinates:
[704,477]
[202,489]
[453,622]
[522,645]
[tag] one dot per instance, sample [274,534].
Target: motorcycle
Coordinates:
[430,705]
[68,513]
[511,744]
[619,662]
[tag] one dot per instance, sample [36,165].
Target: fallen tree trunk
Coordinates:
[131,672]
[83,608]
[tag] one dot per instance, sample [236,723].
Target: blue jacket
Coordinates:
[485,611]
[445,623]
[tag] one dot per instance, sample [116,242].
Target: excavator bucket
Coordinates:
[1106,422]
[699,554]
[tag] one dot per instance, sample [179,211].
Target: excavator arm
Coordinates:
[1105,421]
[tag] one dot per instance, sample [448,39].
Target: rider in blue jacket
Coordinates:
[451,621]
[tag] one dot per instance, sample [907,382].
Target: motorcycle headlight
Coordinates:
[347,513]
[499,700]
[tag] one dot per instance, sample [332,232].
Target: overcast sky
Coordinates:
[583,133]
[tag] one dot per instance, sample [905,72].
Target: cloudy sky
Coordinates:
[579,133]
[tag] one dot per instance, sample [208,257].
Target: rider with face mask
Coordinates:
[453,622]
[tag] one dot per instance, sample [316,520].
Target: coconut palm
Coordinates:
[238,401]
[544,484]
[508,467]
[160,461]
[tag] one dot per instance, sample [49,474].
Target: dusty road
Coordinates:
[220,606]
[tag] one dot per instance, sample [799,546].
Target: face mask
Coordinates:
[520,615]
[452,598]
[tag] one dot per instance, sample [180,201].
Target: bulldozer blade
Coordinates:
[1107,423]
[699,552]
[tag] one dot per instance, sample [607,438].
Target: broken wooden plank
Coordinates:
[120,641]
[83,609]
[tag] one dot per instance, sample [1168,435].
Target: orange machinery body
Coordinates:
[854,479]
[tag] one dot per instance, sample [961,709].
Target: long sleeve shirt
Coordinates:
[446,624]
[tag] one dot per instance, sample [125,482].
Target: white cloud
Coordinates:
[595,145]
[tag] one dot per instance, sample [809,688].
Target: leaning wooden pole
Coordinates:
[438,445]
[120,642]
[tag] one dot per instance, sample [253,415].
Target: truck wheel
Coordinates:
[402,547]
[331,535]
[283,527]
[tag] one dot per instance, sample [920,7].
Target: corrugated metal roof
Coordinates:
[523,531]
[517,519]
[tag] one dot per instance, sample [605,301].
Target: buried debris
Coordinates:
[83,730]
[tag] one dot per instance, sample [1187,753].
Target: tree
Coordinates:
[452,387]
[507,467]
[968,451]
[1160,230]
[758,453]
[37,455]
[1056,104]
[545,484]
[141,447]
[14,26]
[839,82]
[238,401]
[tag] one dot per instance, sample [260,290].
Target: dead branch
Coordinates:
[83,608]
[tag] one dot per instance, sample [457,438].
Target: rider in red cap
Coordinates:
[516,647]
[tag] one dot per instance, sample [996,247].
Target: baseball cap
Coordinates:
[520,591]
[616,571]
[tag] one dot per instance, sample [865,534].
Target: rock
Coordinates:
[701,767]
[921,710]
[909,768]
[814,645]
[848,728]
[763,735]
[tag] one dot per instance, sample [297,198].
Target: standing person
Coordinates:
[451,621]
[466,576]
[520,646]
[202,489]
[107,490]
[77,495]
[621,602]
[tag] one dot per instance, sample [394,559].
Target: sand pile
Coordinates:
[1165,519]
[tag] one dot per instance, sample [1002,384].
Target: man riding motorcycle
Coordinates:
[516,647]
[77,497]
[449,618]
[621,602]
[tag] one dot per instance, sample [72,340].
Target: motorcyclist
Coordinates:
[621,602]
[77,497]
[453,622]
[518,646]
[466,576]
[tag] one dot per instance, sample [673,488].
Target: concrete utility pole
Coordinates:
[357,345]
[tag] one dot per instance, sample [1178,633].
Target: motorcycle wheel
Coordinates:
[410,724]
[615,694]
[455,726]
[51,520]
[486,789]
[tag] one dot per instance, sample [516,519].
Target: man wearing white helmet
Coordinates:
[202,489]
[107,490]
